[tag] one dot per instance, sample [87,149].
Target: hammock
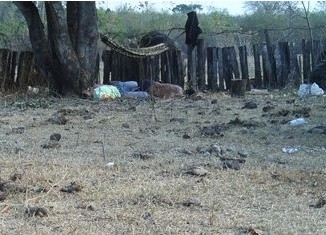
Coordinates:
[134,52]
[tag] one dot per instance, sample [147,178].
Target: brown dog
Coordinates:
[166,90]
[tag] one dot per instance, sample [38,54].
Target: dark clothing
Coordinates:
[192,28]
[145,85]
[318,75]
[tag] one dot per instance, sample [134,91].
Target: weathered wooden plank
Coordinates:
[212,68]
[201,64]
[306,69]
[107,65]
[227,69]
[258,77]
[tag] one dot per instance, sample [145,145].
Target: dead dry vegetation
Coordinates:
[208,164]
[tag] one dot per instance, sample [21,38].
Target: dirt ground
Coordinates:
[208,164]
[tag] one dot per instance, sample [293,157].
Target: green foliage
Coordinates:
[217,21]
[183,8]
[13,28]
[132,23]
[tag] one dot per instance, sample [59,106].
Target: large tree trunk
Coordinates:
[85,47]
[38,38]
[68,56]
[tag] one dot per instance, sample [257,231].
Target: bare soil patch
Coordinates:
[209,164]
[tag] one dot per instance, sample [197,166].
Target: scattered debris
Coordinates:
[298,122]
[186,136]
[36,211]
[58,118]
[71,188]
[179,120]
[230,163]
[53,142]
[86,207]
[250,105]
[40,189]
[143,155]
[214,148]
[191,203]
[250,231]
[3,196]
[18,130]
[320,203]
[243,154]
[183,150]
[247,123]
[310,89]
[213,130]
[11,187]
[318,130]
[110,164]
[15,176]
[197,171]
[267,108]
[214,101]
[125,125]
[55,136]
[146,215]
[290,149]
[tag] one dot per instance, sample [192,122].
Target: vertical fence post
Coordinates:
[220,69]
[191,69]
[258,78]
[271,60]
[212,68]
[243,55]
[107,65]
[306,60]
[284,62]
[201,64]
[234,62]
[227,69]
[181,75]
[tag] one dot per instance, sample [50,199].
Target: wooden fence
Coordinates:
[214,68]
[17,71]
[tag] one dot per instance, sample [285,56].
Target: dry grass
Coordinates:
[147,189]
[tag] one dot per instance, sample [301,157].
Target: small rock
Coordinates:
[250,105]
[3,196]
[110,164]
[179,120]
[18,130]
[318,130]
[215,148]
[191,202]
[71,188]
[58,118]
[243,154]
[231,164]
[55,136]
[51,144]
[183,150]
[186,136]
[202,149]
[214,101]
[320,203]
[86,207]
[143,155]
[197,171]
[125,125]
[15,176]
[146,215]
